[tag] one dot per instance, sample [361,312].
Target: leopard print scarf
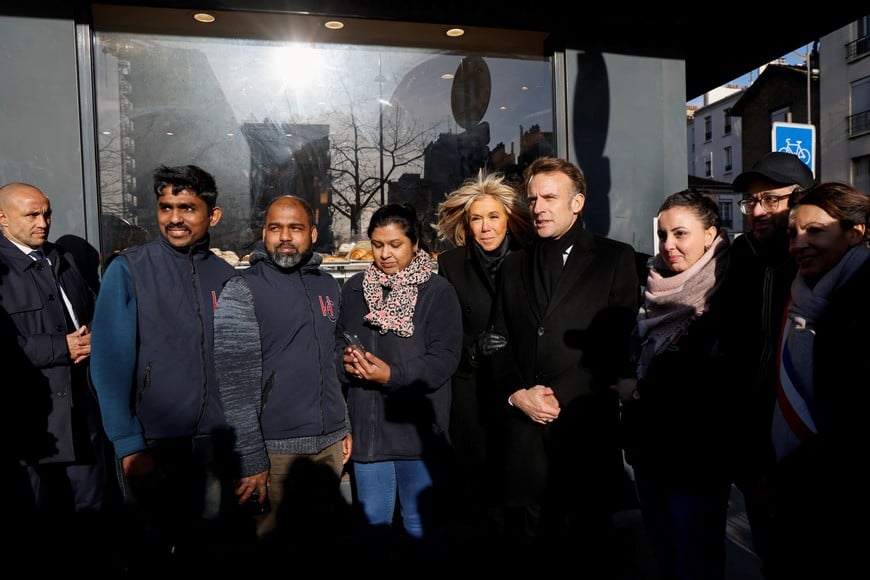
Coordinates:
[395,311]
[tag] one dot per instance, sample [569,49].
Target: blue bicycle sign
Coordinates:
[798,139]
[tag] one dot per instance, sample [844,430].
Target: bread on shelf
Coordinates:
[360,254]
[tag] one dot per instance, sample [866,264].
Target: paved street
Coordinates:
[637,562]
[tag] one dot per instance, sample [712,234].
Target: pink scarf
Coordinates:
[395,311]
[671,303]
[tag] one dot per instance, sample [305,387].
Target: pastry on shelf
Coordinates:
[360,254]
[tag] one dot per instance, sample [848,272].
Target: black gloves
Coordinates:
[489,342]
[486,344]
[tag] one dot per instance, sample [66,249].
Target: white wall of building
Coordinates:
[837,73]
[713,149]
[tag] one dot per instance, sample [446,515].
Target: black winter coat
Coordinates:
[42,384]
[679,430]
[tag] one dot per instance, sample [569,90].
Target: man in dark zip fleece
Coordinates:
[153,370]
[274,346]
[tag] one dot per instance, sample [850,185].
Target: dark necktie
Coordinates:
[39,256]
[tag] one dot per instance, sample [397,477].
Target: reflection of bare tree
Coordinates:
[117,232]
[355,172]
[111,191]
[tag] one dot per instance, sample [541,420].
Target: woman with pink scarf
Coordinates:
[675,412]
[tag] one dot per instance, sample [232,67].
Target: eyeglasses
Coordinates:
[768,201]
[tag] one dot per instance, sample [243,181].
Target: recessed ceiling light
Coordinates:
[454,32]
[447,76]
[334,24]
[203,17]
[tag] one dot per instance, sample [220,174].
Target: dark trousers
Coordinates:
[685,527]
[759,511]
[185,516]
[74,507]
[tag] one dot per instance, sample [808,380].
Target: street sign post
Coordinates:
[798,139]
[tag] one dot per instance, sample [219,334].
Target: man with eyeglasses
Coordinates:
[757,288]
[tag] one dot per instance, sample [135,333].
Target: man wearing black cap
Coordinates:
[757,288]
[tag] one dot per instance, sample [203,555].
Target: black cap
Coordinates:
[783,168]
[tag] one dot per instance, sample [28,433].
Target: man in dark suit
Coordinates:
[62,462]
[566,305]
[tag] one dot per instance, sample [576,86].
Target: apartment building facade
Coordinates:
[844,93]
[734,126]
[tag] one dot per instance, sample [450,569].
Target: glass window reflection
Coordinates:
[346,127]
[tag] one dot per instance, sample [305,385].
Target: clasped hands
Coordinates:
[539,403]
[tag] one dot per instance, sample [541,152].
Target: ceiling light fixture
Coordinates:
[455,32]
[334,24]
[203,17]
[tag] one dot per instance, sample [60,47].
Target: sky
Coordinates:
[747,79]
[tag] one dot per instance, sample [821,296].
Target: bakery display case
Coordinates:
[350,258]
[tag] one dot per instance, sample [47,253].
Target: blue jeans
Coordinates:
[686,529]
[377,484]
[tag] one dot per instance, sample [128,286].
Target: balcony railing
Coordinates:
[859,123]
[858,47]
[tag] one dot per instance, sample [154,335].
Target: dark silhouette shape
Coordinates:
[591,119]
[86,257]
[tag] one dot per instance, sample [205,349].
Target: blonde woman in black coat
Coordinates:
[485,219]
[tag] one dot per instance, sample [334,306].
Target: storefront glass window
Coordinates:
[347,127]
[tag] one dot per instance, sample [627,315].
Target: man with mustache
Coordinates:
[153,371]
[275,353]
[757,287]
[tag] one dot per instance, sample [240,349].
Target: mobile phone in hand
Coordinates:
[354,341]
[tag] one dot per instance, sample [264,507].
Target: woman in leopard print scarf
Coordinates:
[409,326]
[392,297]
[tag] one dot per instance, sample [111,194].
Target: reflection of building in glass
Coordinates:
[411,188]
[176,119]
[500,159]
[290,159]
[534,143]
[160,101]
[118,234]
[453,158]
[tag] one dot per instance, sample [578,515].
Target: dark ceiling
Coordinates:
[717,46]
